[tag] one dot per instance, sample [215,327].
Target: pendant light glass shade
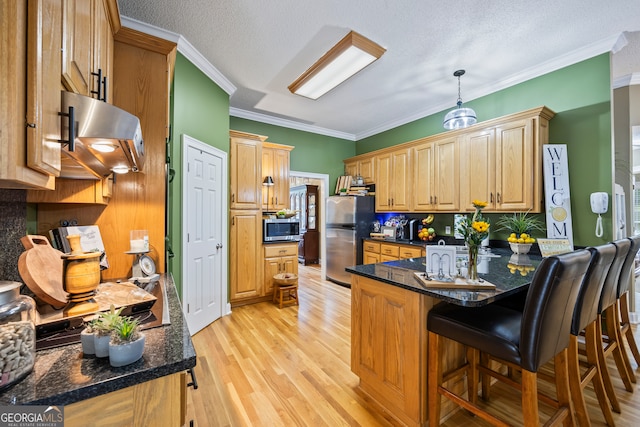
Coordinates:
[459,117]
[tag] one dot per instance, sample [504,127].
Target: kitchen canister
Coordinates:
[17,334]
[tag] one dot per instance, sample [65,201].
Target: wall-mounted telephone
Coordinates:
[599,205]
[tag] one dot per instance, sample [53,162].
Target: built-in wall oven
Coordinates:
[280,230]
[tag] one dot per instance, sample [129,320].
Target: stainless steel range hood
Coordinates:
[107,139]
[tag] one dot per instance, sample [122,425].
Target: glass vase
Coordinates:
[472,267]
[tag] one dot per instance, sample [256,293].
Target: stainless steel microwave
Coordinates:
[280,229]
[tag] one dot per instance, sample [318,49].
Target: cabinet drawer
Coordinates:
[390,250]
[371,247]
[410,252]
[280,250]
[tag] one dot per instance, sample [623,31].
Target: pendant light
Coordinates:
[459,117]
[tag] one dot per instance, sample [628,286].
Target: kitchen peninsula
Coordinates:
[389,308]
[150,391]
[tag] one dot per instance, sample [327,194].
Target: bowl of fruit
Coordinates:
[426,232]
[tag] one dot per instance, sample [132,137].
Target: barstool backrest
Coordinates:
[628,266]
[610,289]
[586,310]
[548,311]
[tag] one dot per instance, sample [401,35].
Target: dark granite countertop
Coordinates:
[63,375]
[401,273]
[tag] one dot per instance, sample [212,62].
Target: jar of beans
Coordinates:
[17,334]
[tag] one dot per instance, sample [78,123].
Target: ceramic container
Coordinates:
[124,354]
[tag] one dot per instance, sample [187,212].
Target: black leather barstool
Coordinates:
[585,316]
[627,273]
[610,344]
[524,339]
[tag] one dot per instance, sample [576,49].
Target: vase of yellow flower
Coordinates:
[474,231]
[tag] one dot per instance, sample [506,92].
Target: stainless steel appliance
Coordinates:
[280,229]
[348,220]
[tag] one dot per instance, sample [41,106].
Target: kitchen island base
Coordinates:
[389,349]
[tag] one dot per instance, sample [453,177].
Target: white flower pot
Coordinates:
[101,343]
[88,342]
[124,354]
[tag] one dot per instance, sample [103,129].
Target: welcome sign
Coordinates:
[556,188]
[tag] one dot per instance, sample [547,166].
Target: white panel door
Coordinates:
[204,233]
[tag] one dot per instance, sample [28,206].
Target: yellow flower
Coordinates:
[480,226]
[479,204]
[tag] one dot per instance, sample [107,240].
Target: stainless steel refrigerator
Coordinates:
[348,220]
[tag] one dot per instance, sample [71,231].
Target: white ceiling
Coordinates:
[263,46]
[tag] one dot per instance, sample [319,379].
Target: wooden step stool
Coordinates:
[285,289]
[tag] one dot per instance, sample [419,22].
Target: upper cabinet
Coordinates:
[498,161]
[275,163]
[245,170]
[361,166]
[87,47]
[393,181]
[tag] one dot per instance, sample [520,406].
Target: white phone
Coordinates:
[599,202]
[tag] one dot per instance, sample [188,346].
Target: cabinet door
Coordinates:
[366,169]
[447,178]
[401,181]
[271,268]
[245,254]
[268,169]
[281,172]
[423,197]
[370,258]
[477,169]
[102,51]
[383,183]
[351,168]
[43,86]
[77,46]
[245,173]
[514,166]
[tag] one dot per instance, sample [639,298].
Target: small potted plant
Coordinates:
[521,227]
[87,338]
[102,327]
[127,342]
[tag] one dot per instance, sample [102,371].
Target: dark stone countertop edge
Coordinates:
[168,350]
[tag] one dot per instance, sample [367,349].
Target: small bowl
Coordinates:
[520,248]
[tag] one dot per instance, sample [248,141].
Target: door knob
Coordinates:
[218,245]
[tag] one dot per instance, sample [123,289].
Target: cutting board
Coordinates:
[458,283]
[40,267]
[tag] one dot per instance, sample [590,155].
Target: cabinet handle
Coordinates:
[430,200]
[233,220]
[104,89]
[233,197]
[491,197]
[276,200]
[435,200]
[498,197]
[194,381]
[101,95]
[72,129]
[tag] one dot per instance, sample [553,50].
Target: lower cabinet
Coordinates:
[279,258]
[159,402]
[245,239]
[374,252]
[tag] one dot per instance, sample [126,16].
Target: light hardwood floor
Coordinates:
[263,366]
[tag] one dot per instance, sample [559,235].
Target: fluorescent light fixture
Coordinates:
[350,55]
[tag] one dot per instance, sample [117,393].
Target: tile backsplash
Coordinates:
[13,225]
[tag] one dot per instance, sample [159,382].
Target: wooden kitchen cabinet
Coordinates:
[393,181]
[374,252]
[279,258]
[245,170]
[363,167]
[15,84]
[245,255]
[87,45]
[502,163]
[75,191]
[370,252]
[436,175]
[159,402]
[275,163]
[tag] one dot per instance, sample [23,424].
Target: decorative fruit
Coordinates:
[427,233]
[523,238]
[428,220]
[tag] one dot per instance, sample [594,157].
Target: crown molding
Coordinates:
[628,80]
[291,124]
[186,49]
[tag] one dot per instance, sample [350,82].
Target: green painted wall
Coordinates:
[312,153]
[580,95]
[200,109]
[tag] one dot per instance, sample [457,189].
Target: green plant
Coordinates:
[126,330]
[107,321]
[520,222]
